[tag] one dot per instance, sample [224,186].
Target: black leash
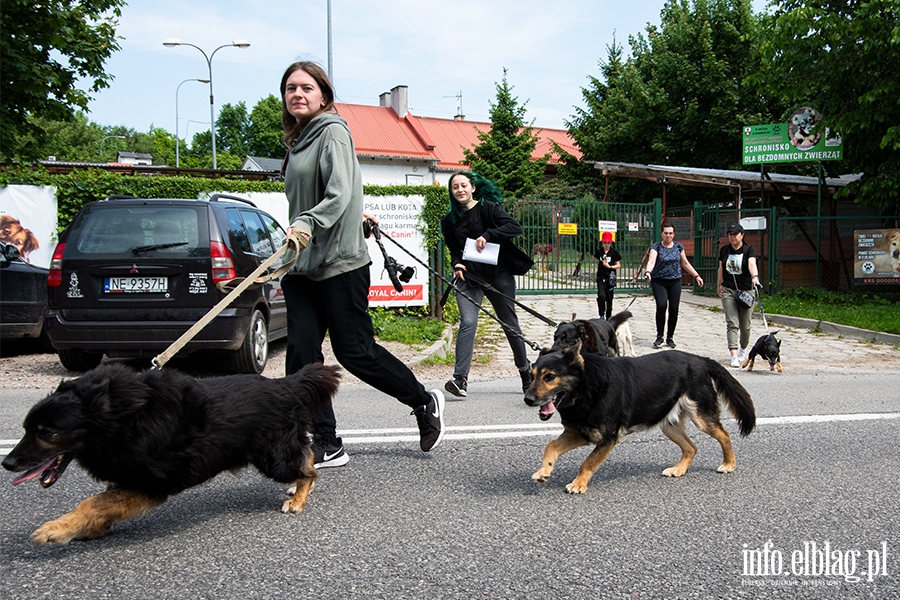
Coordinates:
[761,311]
[391,266]
[488,286]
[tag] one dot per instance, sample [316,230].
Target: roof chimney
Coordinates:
[384,99]
[459,118]
[400,100]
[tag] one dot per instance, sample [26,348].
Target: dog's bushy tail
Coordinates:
[316,384]
[620,317]
[736,397]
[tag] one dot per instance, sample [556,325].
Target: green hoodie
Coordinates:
[325,198]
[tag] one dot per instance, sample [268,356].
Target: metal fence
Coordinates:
[563,254]
[786,246]
[816,252]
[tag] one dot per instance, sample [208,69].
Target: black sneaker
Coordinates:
[330,455]
[457,386]
[658,343]
[431,421]
[526,378]
[670,343]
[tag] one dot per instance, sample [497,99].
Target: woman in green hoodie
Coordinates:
[327,290]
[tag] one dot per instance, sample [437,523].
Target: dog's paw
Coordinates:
[541,476]
[53,532]
[576,487]
[673,472]
[726,468]
[292,490]
[293,506]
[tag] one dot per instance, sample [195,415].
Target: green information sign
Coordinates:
[793,141]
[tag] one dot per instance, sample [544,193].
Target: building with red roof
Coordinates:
[396,147]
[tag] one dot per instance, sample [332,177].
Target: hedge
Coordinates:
[81,186]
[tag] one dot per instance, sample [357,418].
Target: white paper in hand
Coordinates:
[489,255]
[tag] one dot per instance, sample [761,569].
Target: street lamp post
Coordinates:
[171,43]
[177,164]
[109,137]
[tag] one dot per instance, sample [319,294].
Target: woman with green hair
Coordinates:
[476,214]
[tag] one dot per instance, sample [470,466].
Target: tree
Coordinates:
[231,129]
[843,58]
[265,131]
[504,154]
[33,41]
[681,98]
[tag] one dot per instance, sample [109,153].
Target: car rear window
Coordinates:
[151,230]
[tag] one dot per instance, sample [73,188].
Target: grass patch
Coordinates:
[447,360]
[401,326]
[857,309]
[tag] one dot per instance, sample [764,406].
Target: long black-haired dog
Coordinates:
[596,335]
[601,400]
[153,434]
[768,347]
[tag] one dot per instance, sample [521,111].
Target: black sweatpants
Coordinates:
[339,305]
[667,293]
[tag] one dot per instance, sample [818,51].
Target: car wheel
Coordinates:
[253,354]
[79,360]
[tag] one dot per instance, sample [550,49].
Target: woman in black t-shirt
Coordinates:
[610,260]
[737,271]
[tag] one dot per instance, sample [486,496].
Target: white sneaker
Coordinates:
[736,361]
[742,354]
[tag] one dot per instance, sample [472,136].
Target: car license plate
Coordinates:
[119,285]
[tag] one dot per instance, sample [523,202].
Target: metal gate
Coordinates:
[561,236]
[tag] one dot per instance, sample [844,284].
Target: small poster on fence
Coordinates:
[876,256]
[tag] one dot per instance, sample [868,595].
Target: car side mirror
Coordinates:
[9,254]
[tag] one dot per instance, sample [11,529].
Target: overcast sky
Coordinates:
[438,49]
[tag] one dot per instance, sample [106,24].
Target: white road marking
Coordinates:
[520,430]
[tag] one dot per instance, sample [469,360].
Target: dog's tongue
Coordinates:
[34,472]
[547,411]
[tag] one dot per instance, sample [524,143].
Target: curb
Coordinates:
[828,327]
[834,329]
[438,348]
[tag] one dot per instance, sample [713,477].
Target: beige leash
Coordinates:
[243,284]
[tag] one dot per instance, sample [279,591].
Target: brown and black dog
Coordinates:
[153,434]
[596,335]
[600,400]
[768,347]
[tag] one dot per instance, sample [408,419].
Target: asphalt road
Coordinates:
[467,521]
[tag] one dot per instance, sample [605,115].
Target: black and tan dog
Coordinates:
[601,400]
[156,433]
[768,347]
[596,335]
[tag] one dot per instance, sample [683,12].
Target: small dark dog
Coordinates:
[768,347]
[153,434]
[597,336]
[600,400]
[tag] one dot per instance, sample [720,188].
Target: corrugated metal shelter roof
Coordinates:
[746,181]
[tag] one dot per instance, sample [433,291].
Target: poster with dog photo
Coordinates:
[28,221]
[876,256]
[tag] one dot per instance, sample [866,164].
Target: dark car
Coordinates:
[23,298]
[130,275]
